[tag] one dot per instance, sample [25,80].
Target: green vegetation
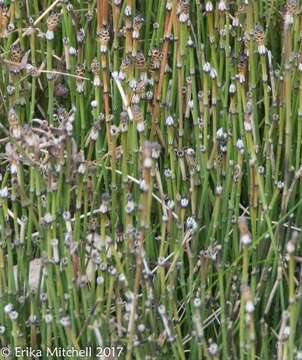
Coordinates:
[151,177]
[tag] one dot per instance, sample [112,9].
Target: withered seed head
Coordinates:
[124,124]
[80,70]
[289,11]
[242,67]
[12,118]
[138,22]
[291,6]
[15,53]
[104,37]
[183,10]
[137,114]
[242,62]
[259,34]
[80,36]
[95,66]
[156,57]
[259,38]
[3,22]
[126,62]
[52,22]
[140,87]
[140,61]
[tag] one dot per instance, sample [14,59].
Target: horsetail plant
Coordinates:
[150,178]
